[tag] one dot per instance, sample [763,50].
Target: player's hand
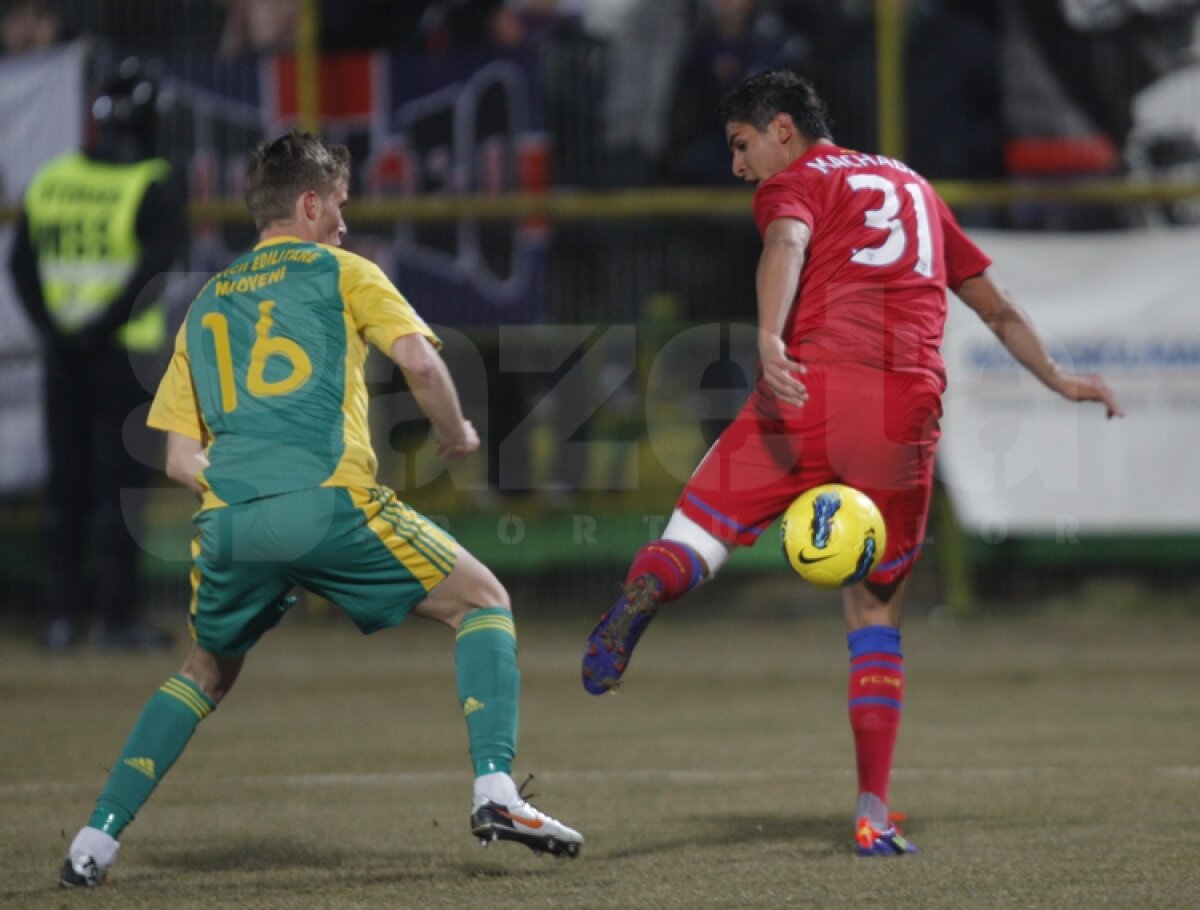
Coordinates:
[1091,387]
[460,445]
[781,371]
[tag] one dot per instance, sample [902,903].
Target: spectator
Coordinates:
[735,39]
[456,23]
[29,25]
[369,24]
[645,40]
[175,28]
[525,22]
[96,233]
[253,26]
[1112,51]
[952,80]
[952,67]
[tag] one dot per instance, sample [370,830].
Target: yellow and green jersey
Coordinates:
[268,370]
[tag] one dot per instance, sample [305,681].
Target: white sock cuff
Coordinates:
[682,529]
[872,808]
[95,843]
[498,787]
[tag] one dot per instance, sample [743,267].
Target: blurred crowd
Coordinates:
[972,66]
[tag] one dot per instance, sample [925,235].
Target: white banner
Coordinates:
[41,108]
[1015,457]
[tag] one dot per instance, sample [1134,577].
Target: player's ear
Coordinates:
[784,127]
[308,204]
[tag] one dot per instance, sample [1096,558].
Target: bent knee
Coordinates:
[475,585]
[469,586]
[487,592]
[213,675]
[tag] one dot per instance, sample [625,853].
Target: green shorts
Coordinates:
[363,549]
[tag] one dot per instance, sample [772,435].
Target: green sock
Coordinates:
[156,741]
[489,687]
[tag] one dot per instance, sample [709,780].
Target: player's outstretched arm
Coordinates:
[436,395]
[1000,312]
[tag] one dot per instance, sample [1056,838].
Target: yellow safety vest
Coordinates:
[83,222]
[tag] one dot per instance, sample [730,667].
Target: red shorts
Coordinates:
[872,430]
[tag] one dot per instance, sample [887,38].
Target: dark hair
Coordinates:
[758,98]
[282,170]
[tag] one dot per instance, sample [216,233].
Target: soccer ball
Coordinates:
[833,535]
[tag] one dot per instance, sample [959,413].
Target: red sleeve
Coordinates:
[780,198]
[963,258]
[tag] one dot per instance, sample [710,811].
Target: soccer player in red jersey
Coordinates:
[858,251]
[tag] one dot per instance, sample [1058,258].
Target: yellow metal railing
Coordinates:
[889,75]
[694,202]
[677,202]
[698,202]
[308,66]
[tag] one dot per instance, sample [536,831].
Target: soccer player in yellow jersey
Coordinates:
[265,409]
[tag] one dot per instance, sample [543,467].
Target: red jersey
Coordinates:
[883,250]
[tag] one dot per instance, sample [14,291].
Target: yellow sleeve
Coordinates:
[378,310]
[175,407]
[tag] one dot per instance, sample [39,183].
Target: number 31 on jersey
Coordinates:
[887,218]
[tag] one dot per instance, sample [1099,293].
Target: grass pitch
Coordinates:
[1045,760]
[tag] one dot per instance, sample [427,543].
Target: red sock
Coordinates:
[676,567]
[876,697]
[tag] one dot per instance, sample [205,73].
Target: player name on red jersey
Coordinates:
[827,163]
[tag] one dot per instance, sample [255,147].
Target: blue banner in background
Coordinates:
[468,125]
[456,124]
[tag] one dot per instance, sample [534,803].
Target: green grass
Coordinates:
[1046,760]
